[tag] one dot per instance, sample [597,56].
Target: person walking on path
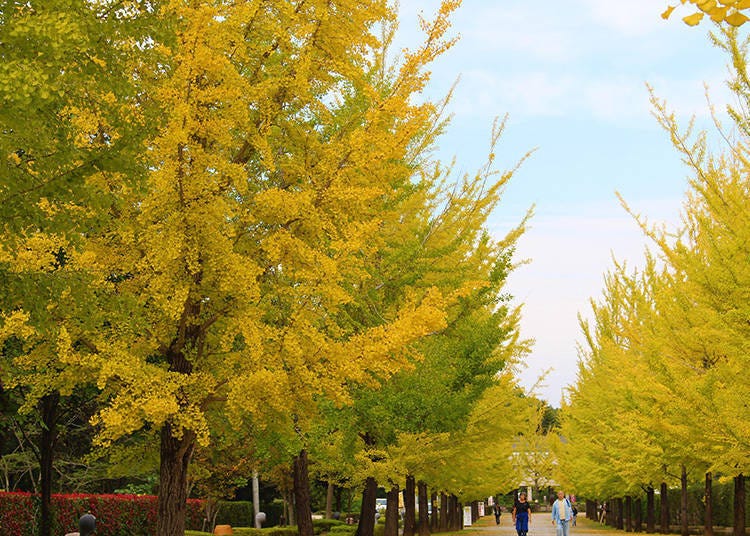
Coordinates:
[562,514]
[522,515]
[575,514]
[496,510]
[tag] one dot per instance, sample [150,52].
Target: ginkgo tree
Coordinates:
[622,395]
[225,248]
[72,128]
[675,337]
[443,243]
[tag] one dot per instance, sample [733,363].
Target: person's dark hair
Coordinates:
[87,525]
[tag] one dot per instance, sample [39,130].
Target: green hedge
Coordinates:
[270,531]
[343,529]
[331,526]
[722,503]
[236,513]
[325,525]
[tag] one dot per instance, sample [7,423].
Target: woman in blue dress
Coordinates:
[522,515]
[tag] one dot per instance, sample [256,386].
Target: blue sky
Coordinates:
[572,76]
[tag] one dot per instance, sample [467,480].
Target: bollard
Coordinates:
[260,518]
[223,530]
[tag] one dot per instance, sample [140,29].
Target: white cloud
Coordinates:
[580,58]
[582,64]
[535,34]
[523,94]
[615,98]
[632,18]
[570,255]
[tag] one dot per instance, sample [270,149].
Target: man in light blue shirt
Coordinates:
[562,514]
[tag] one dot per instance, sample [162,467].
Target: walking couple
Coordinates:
[563,515]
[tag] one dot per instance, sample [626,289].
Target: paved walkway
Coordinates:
[540,525]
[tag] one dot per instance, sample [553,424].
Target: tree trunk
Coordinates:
[664,499]
[739,505]
[302,507]
[590,509]
[349,499]
[708,525]
[459,515]
[391,512]
[212,510]
[650,510]
[337,493]
[175,458]
[474,506]
[434,516]
[424,520]
[628,513]
[638,514]
[443,518]
[620,520]
[452,513]
[449,513]
[684,530]
[49,406]
[329,501]
[256,500]
[291,518]
[409,507]
[366,526]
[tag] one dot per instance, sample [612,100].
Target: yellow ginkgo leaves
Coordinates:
[736,19]
[720,11]
[694,19]
[667,12]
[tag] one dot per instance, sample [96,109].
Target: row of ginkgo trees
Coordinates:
[223,223]
[662,391]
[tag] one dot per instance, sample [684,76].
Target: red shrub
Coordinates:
[116,515]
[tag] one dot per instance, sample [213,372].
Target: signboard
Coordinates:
[467,516]
[481,509]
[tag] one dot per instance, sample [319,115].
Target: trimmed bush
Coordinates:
[324,525]
[279,531]
[344,529]
[236,513]
[116,515]
[274,512]
[270,531]
[339,529]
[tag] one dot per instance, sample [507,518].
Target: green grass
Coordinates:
[276,531]
[593,526]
